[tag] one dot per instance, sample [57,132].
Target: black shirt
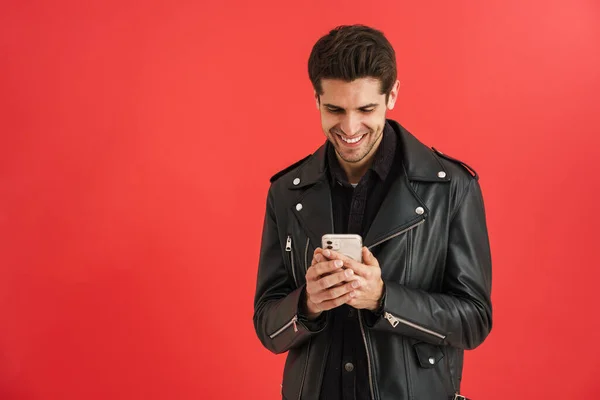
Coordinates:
[354,208]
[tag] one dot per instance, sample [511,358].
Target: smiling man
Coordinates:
[394,326]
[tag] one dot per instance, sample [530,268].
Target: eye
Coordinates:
[368,110]
[334,110]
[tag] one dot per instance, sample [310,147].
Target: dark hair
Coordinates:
[350,52]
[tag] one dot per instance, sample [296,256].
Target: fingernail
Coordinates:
[338,263]
[318,258]
[349,273]
[355,284]
[352,294]
[326,253]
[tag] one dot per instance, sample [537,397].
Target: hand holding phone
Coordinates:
[360,263]
[328,284]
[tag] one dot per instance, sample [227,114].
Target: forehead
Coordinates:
[351,94]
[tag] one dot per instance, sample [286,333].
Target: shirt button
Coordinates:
[442,174]
[349,367]
[296,181]
[351,313]
[431,360]
[299,206]
[420,210]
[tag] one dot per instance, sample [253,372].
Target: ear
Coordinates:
[317,100]
[393,95]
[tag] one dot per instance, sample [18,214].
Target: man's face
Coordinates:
[353,116]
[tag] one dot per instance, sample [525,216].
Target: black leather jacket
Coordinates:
[430,238]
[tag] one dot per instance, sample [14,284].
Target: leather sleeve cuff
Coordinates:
[314,325]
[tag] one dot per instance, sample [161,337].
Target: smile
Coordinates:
[352,141]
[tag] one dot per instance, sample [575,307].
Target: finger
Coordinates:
[358,268]
[330,294]
[335,278]
[337,290]
[334,255]
[316,286]
[327,253]
[327,267]
[368,257]
[327,282]
[316,271]
[330,304]
[317,258]
[361,281]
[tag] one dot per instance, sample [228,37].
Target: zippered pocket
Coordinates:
[293,322]
[394,321]
[290,251]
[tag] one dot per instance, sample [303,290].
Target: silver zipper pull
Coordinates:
[288,244]
[393,320]
[295,326]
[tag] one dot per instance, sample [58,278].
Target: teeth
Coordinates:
[355,140]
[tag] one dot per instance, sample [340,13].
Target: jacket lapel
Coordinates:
[400,209]
[314,205]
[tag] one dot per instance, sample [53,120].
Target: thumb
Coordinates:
[367,256]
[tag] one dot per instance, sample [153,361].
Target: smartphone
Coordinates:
[349,245]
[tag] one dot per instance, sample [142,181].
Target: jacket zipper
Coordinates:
[306,256]
[310,340]
[394,321]
[283,328]
[397,234]
[362,330]
[304,370]
[288,248]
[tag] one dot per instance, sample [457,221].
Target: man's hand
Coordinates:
[328,285]
[368,294]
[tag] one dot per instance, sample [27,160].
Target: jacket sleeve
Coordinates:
[461,315]
[277,319]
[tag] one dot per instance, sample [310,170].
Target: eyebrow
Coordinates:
[359,108]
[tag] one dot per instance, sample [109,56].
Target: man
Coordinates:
[394,326]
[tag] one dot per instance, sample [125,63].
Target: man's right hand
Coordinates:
[328,285]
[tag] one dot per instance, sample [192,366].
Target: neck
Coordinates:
[355,171]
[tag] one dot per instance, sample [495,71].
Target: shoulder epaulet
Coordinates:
[287,169]
[465,166]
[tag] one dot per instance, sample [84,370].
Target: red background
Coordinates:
[137,139]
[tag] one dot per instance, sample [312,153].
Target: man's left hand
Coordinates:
[368,294]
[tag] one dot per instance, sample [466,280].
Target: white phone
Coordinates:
[348,244]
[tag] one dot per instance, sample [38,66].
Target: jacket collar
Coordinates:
[420,162]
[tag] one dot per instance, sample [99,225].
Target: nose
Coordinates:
[351,124]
